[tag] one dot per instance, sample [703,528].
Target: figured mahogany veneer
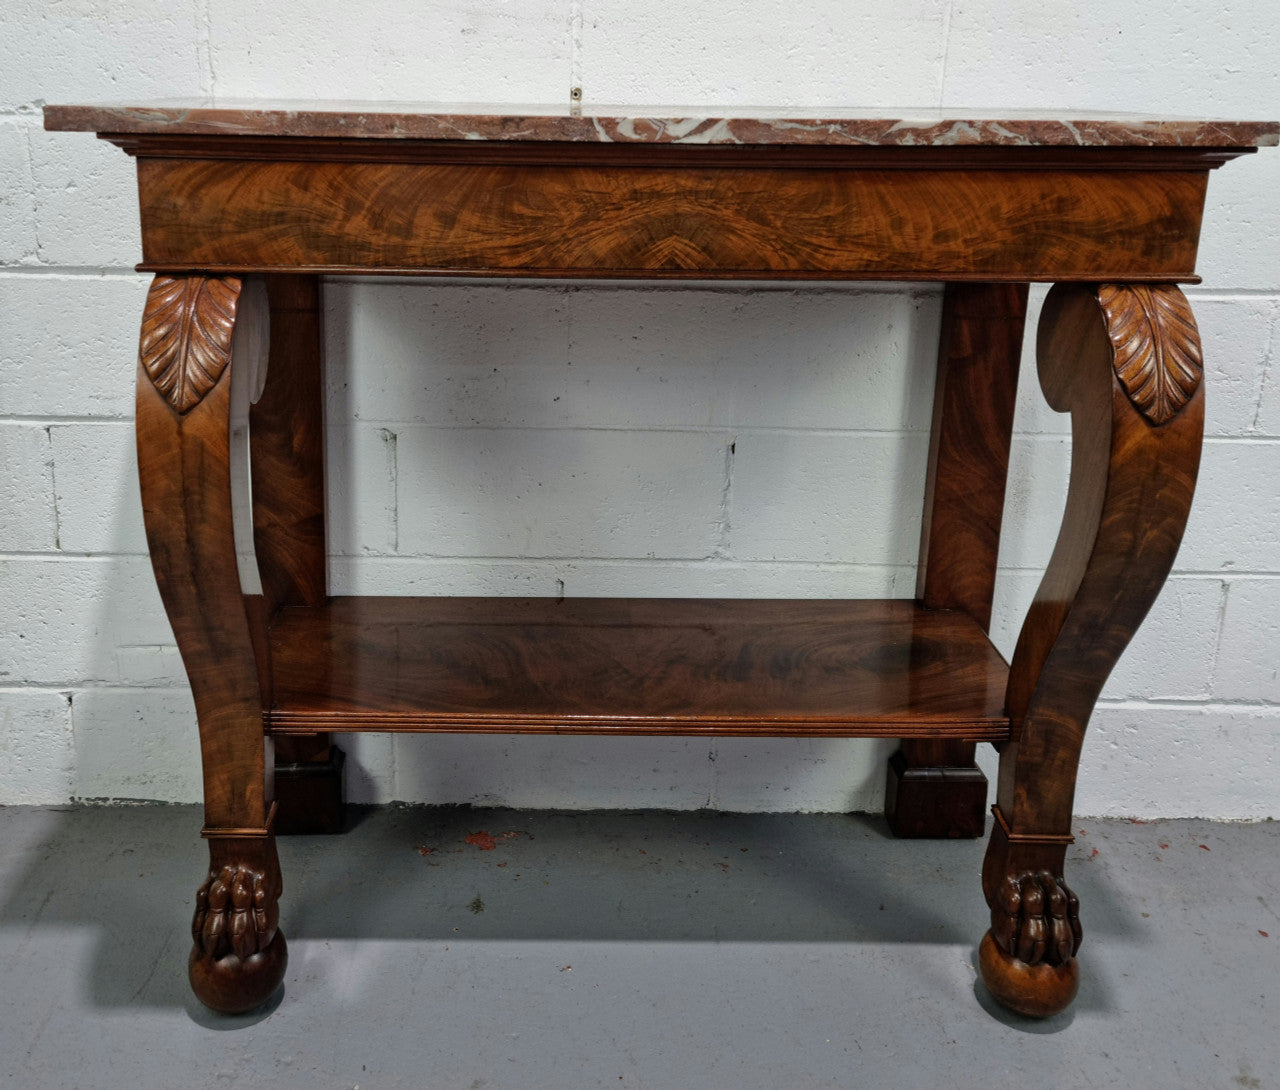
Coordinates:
[696,215]
[1109,207]
[922,196]
[933,786]
[636,666]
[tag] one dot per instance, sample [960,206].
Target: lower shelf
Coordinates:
[856,669]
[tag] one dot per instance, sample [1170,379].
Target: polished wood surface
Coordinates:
[282,192]
[1131,487]
[978,362]
[635,666]
[1037,990]
[183,465]
[933,786]
[486,219]
[701,156]
[1125,361]
[239,954]
[286,440]
[186,355]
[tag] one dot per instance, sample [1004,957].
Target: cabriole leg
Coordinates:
[1125,361]
[190,336]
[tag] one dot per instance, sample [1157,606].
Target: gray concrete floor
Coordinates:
[641,949]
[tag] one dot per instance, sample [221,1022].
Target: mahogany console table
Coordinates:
[245,207]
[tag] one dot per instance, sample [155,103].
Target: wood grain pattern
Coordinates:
[934,787]
[488,219]
[184,472]
[978,361]
[286,442]
[1157,346]
[1127,505]
[635,666]
[1123,359]
[183,464]
[186,335]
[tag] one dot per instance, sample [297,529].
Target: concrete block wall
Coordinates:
[603,440]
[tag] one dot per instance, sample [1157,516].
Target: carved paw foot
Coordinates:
[1036,918]
[240,955]
[1028,959]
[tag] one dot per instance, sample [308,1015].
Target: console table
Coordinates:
[245,207]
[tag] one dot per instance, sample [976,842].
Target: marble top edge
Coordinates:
[924,127]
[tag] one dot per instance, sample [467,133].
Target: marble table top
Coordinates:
[659,125]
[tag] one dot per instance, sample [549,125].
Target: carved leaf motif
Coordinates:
[1157,346]
[186,335]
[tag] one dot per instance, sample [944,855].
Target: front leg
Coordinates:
[183,427]
[1125,361]
[238,956]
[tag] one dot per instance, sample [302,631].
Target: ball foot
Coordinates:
[230,985]
[1036,991]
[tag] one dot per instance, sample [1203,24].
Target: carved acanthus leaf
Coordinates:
[1036,918]
[1157,346]
[186,335]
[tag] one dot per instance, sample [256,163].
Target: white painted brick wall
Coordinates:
[37,754]
[60,355]
[26,490]
[641,440]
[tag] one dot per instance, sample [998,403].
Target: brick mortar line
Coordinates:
[1268,362]
[1220,630]
[700,563]
[72,272]
[1169,704]
[729,431]
[63,421]
[726,431]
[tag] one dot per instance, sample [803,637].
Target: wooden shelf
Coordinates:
[636,666]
